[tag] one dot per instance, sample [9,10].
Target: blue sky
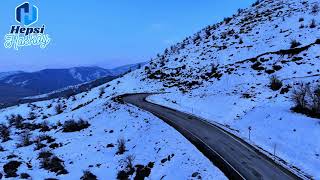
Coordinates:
[109,33]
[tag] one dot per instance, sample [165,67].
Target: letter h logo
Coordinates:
[26,14]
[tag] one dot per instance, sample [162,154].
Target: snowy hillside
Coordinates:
[222,74]
[147,140]
[251,37]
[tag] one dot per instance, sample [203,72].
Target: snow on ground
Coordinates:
[147,138]
[222,73]
[295,136]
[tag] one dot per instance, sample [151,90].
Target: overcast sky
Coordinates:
[108,33]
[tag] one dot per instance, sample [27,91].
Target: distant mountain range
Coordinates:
[19,84]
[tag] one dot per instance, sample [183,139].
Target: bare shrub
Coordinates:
[53,164]
[39,145]
[121,146]
[294,43]
[128,170]
[301,26]
[87,175]
[73,126]
[39,141]
[315,104]
[4,132]
[299,96]
[44,126]
[140,171]
[241,41]
[101,91]
[49,106]
[307,100]
[313,23]
[45,137]
[128,161]
[15,120]
[32,116]
[58,108]
[275,83]
[25,139]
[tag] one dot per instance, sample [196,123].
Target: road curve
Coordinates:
[235,158]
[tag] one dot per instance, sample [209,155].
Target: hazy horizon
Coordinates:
[69,67]
[108,34]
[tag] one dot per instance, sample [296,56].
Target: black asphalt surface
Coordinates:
[237,159]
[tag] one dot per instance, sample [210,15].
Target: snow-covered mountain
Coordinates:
[10,73]
[239,74]
[51,79]
[48,80]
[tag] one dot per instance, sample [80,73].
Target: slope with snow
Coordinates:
[222,74]
[147,140]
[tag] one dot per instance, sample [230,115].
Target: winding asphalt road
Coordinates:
[237,159]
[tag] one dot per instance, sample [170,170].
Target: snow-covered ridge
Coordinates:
[267,27]
[223,73]
[6,74]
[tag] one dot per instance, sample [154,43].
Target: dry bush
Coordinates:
[313,23]
[25,139]
[306,100]
[294,43]
[275,83]
[53,164]
[15,120]
[299,95]
[73,126]
[4,133]
[101,91]
[58,108]
[87,175]
[121,146]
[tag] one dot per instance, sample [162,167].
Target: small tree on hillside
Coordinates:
[299,96]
